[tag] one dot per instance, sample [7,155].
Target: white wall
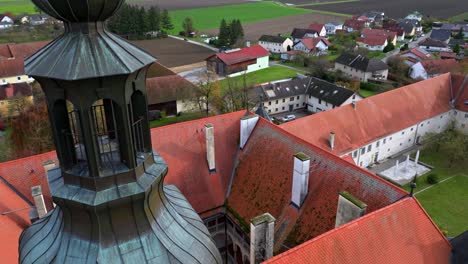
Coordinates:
[262,63]
[417,71]
[359,75]
[277,47]
[16,79]
[395,143]
[435,49]
[461,121]
[282,105]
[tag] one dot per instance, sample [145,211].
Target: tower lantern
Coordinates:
[111,201]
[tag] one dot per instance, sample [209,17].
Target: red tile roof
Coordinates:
[11,68]
[12,222]
[168,88]
[316,27]
[399,233]
[375,117]
[263,183]
[417,52]
[354,24]
[21,51]
[444,54]
[183,147]
[372,40]
[378,32]
[440,66]
[244,54]
[460,92]
[311,43]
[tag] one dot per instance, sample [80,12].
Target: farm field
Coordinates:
[16,6]
[283,25]
[172,52]
[396,8]
[210,17]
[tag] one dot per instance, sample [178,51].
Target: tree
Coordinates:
[154,19]
[404,47]
[187,25]
[166,23]
[236,32]
[460,34]
[224,35]
[389,47]
[207,92]
[456,49]
[398,66]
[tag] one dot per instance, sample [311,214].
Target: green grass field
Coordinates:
[447,204]
[273,73]
[460,17]
[210,17]
[16,7]
[176,119]
[366,93]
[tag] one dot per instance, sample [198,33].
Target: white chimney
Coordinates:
[247,43]
[38,198]
[247,125]
[349,208]
[262,231]
[332,140]
[354,104]
[210,147]
[300,186]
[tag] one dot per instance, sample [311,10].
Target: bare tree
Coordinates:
[207,91]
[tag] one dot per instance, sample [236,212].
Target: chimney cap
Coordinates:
[264,218]
[209,125]
[353,199]
[249,117]
[302,156]
[36,190]
[332,133]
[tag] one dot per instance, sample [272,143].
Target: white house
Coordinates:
[6,22]
[319,28]
[275,44]
[415,55]
[361,68]
[310,93]
[433,45]
[372,42]
[238,61]
[316,46]
[299,33]
[379,127]
[432,68]
[414,16]
[332,27]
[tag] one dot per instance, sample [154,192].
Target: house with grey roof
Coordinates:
[275,44]
[309,93]
[433,45]
[443,35]
[299,33]
[361,68]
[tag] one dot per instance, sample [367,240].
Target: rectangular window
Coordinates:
[19,78]
[363,151]
[276,101]
[355,154]
[320,101]
[282,108]
[284,100]
[291,99]
[377,144]
[369,148]
[403,132]
[297,98]
[276,109]
[269,103]
[384,140]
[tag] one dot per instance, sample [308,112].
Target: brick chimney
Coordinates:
[262,231]
[349,208]
[247,125]
[210,147]
[300,186]
[38,198]
[332,140]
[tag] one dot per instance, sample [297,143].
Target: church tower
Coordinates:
[111,203]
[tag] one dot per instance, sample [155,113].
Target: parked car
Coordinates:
[288,118]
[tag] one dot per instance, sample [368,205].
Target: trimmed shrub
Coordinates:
[432,178]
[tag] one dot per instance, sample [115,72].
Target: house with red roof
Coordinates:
[431,68]
[320,28]
[391,35]
[415,55]
[372,129]
[373,42]
[236,62]
[354,24]
[312,46]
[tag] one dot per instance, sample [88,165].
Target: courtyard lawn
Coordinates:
[447,204]
[176,119]
[272,73]
[210,17]
[366,93]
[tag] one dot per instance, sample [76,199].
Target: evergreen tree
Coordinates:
[154,19]
[166,23]
[141,21]
[187,25]
[456,49]
[460,34]
[224,34]
[236,31]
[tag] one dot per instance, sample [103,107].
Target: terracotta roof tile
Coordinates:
[244,54]
[460,91]
[399,233]
[12,223]
[311,43]
[263,183]
[375,117]
[168,88]
[316,27]
[372,40]
[11,68]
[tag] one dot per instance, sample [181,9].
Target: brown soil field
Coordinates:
[185,4]
[283,25]
[172,52]
[397,8]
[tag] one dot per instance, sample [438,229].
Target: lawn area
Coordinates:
[458,18]
[376,54]
[176,119]
[447,204]
[18,7]
[366,93]
[273,73]
[210,17]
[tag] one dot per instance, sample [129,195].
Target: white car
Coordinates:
[288,118]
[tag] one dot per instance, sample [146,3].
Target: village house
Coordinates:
[312,46]
[299,33]
[332,27]
[361,68]
[414,16]
[34,20]
[431,68]
[395,27]
[374,129]
[5,22]
[375,18]
[239,61]
[309,93]
[372,42]
[390,35]
[319,28]
[9,93]
[441,35]
[415,55]
[275,44]
[354,24]
[455,28]
[433,45]
[447,55]
[412,27]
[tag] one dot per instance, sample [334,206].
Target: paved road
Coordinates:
[195,43]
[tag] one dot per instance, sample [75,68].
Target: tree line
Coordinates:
[230,33]
[137,22]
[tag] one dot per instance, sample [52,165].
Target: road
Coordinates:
[412,44]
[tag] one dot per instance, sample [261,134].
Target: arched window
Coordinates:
[69,137]
[140,128]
